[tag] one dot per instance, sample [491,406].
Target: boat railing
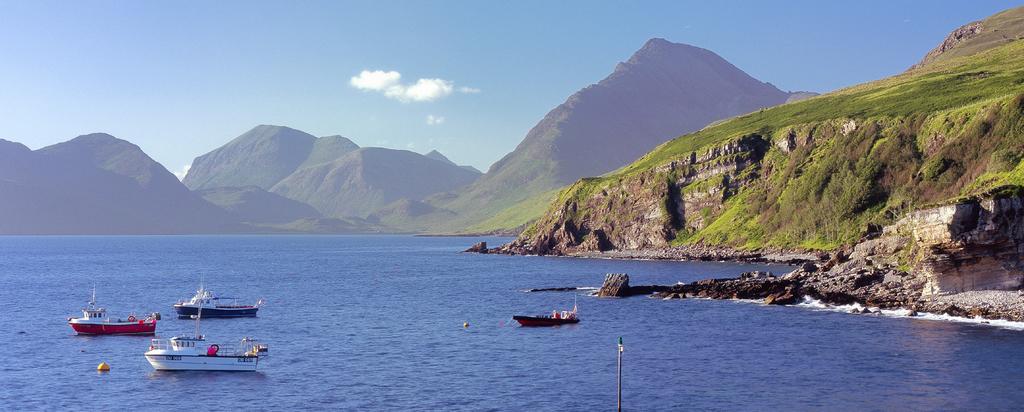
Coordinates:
[159,344]
[252,347]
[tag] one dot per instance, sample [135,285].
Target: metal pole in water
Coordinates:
[619,375]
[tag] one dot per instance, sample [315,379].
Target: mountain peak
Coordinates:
[7,146]
[436,155]
[659,48]
[656,42]
[338,139]
[96,138]
[261,157]
[329,148]
[100,145]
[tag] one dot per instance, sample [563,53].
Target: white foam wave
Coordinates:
[816,304]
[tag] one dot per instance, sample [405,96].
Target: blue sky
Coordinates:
[182,78]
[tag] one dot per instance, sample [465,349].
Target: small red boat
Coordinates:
[556,318]
[94,321]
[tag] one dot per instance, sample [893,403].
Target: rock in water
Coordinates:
[615,284]
[477,248]
[786,297]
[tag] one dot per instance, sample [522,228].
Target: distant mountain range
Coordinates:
[332,174]
[361,182]
[275,178]
[98,184]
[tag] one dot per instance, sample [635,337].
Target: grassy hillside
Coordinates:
[867,154]
[516,217]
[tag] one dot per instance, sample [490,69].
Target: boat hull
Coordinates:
[203,363]
[142,327]
[217,312]
[543,321]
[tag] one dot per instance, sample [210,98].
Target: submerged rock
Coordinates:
[477,248]
[563,289]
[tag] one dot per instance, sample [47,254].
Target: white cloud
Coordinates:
[184,171]
[390,83]
[434,120]
[426,90]
[377,80]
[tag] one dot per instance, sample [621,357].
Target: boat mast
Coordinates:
[199,314]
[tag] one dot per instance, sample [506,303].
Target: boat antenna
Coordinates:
[92,302]
[199,314]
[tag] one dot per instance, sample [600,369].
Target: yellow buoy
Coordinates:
[465,324]
[103,367]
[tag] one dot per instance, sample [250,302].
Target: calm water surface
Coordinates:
[375,323]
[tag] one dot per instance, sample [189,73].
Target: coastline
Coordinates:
[965,259]
[880,290]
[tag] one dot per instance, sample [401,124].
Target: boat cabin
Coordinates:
[94,313]
[177,343]
[202,297]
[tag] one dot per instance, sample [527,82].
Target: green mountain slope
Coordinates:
[814,174]
[260,157]
[365,180]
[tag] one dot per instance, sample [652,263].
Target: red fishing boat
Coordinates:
[556,318]
[94,321]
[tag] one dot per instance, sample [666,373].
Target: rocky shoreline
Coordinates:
[874,289]
[701,253]
[961,259]
[709,254]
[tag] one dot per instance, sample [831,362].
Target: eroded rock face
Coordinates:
[955,38]
[644,211]
[968,246]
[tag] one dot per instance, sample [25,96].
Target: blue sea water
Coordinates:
[376,323]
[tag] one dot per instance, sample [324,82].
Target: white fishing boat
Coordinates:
[194,353]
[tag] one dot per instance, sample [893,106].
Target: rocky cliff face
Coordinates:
[961,259]
[954,39]
[647,210]
[967,246]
